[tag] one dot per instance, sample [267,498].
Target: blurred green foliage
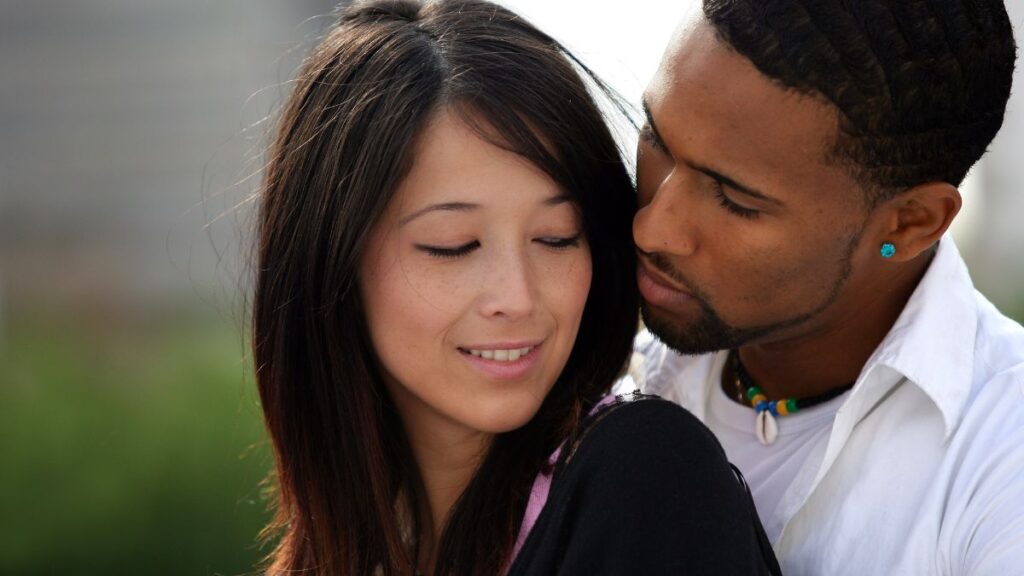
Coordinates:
[1016,310]
[129,450]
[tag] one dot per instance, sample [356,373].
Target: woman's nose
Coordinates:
[510,289]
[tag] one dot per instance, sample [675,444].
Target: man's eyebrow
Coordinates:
[651,124]
[444,206]
[727,181]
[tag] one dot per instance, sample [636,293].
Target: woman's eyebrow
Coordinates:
[443,206]
[468,207]
[556,200]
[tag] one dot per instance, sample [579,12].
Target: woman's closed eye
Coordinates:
[560,242]
[449,252]
[458,251]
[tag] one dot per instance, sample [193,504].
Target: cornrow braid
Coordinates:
[921,85]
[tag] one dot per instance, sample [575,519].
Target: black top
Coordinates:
[647,491]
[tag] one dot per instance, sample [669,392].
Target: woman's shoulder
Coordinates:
[640,426]
[636,405]
[651,443]
[646,489]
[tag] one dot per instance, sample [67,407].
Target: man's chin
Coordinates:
[701,336]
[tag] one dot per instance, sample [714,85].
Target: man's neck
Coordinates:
[829,356]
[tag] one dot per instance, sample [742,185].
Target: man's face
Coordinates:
[747,232]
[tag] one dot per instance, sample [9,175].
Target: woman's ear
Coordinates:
[917,218]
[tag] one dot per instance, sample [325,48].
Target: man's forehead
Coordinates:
[702,75]
[712,106]
[693,30]
[696,51]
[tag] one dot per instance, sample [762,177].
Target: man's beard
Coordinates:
[710,332]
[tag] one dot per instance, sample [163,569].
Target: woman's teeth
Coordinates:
[502,355]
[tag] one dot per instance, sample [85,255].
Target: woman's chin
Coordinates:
[504,416]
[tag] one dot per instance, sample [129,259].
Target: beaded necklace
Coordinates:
[750,393]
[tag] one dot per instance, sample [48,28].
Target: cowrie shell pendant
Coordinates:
[766,428]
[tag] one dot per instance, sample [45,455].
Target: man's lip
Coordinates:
[658,292]
[660,280]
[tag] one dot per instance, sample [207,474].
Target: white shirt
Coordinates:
[921,470]
[769,470]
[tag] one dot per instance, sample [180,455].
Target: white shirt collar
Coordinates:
[932,342]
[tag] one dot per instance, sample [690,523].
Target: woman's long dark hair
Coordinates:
[343,145]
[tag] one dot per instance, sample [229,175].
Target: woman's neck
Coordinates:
[447,456]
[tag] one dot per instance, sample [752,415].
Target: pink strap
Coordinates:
[538,497]
[539,492]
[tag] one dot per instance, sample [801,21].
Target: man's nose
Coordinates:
[664,225]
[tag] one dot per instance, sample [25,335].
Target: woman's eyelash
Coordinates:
[733,207]
[459,251]
[567,242]
[445,252]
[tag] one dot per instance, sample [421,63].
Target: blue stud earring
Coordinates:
[888,250]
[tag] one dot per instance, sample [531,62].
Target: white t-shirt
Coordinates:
[770,470]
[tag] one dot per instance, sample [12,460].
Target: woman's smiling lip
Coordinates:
[505,360]
[657,290]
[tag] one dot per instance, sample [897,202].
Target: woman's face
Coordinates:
[474,282]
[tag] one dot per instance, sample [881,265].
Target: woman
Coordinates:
[444,292]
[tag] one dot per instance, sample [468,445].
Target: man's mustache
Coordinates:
[661,263]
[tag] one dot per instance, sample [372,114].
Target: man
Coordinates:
[797,175]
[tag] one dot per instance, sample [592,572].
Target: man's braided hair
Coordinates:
[921,85]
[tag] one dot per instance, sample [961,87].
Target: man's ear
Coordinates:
[916,219]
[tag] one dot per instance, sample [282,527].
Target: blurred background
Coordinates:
[131,136]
